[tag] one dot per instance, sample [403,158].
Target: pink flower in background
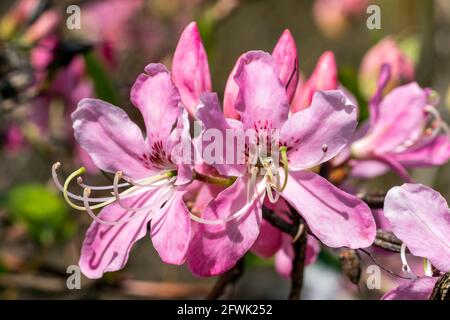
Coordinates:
[404,130]
[310,137]
[420,217]
[156,178]
[113,32]
[388,52]
[333,16]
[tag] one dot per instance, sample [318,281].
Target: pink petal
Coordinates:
[284,256]
[324,77]
[171,230]
[262,98]
[434,153]
[401,117]
[155,95]
[419,289]
[190,68]
[268,241]
[106,248]
[216,248]
[212,118]
[317,134]
[112,140]
[231,93]
[420,217]
[337,218]
[285,55]
[368,168]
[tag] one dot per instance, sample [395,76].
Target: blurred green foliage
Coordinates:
[44,213]
[104,88]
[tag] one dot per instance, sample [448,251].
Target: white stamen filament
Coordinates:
[163,179]
[116,193]
[83,185]
[405,266]
[146,209]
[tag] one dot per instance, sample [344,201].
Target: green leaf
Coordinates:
[43,212]
[104,88]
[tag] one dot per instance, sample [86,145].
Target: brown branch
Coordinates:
[387,241]
[229,277]
[298,265]
[374,201]
[279,223]
[441,290]
[299,246]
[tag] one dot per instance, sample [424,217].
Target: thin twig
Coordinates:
[298,266]
[387,241]
[374,201]
[229,277]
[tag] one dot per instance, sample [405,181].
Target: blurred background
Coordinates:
[46,68]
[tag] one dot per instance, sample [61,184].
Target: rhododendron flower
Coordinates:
[388,52]
[190,70]
[231,223]
[404,130]
[153,169]
[420,217]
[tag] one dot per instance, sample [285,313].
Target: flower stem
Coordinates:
[219,180]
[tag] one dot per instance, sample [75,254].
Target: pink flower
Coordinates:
[190,70]
[384,52]
[152,167]
[231,223]
[333,16]
[420,217]
[404,130]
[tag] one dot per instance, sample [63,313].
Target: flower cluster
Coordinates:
[203,197]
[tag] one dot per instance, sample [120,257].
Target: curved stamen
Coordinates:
[272,198]
[405,266]
[236,215]
[252,183]
[284,161]
[437,125]
[427,267]
[83,185]
[139,211]
[58,184]
[116,193]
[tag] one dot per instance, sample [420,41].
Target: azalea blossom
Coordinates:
[387,51]
[231,223]
[404,130]
[420,217]
[190,70]
[151,167]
